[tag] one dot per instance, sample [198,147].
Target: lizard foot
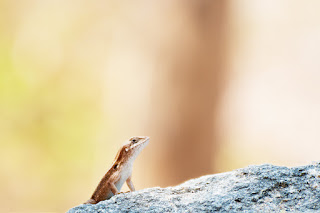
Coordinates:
[122,192]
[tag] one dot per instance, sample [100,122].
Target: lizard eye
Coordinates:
[115,166]
[134,140]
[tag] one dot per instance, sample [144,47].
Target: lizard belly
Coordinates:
[121,181]
[125,175]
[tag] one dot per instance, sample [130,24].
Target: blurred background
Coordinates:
[217,85]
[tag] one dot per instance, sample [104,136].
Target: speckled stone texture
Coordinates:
[264,188]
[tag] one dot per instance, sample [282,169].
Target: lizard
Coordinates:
[120,171]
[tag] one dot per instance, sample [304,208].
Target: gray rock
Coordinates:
[264,188]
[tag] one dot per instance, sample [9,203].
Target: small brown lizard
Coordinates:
[120,170]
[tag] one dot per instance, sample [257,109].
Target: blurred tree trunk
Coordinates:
[188,89]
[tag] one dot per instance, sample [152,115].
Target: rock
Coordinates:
[264,188]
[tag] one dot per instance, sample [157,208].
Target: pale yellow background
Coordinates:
[76,80]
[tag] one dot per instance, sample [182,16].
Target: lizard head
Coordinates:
[131,149]
[136,142]
[135,145]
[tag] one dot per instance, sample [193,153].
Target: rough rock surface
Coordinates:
[264,188]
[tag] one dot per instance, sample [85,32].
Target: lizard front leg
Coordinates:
[113,189]
[130,184]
